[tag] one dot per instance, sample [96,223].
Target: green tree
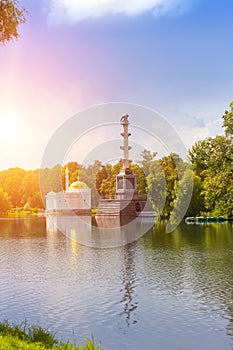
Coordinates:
[197,203]
[88,175]
[103,180]
[161,180]
[228,121]
[189,200]
[212,161]
[140,178]
[147,157]
[11,16]
[106,180]
[211,155]
[157,187]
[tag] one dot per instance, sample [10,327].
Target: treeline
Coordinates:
[203,187]
[26,189]
[212,161]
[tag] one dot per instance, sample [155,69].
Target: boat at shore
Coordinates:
[204,219]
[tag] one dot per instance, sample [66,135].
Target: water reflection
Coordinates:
[197,266]
[129,284]
[108,232]
[163,291]
[80,229]
[22,228]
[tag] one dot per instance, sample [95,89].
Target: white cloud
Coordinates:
[191,134]
[72,11]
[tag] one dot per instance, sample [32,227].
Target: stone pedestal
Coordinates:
[125,184]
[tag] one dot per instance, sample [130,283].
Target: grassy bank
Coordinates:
[22,337]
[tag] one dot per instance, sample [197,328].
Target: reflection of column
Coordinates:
[129,278]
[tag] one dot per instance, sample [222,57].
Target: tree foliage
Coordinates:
[147,157]
[168,182]
[163,176]
[106,179]
[156,182]
[228,121]
[5,203]
[11,16]
[212,161]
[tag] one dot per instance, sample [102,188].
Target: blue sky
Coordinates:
[174,56]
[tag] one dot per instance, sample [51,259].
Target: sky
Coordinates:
[171,56]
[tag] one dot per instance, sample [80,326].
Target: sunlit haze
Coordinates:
[171,56]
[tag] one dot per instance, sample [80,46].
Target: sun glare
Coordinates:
[9,126]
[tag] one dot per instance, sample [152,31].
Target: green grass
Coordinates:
[22,337]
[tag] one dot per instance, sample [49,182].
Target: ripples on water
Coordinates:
[164,291]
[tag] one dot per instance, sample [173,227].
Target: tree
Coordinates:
[157,187]
[197,203]
[228,121]
[88,175]
[161,180]
[103,178]
[140,178]
[211,154]
[31,190]
[5,203]
[147,158]
[189,200]
[13,185]
[11,16]
[51,180]
[212,161]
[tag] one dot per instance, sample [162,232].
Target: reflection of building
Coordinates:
[76,198]
[76,228]
[127,202]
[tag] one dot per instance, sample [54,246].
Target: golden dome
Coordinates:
[78,185]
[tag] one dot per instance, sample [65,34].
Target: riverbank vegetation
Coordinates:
[166,180]
[22,337]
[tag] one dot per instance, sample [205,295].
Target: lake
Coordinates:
[162,292]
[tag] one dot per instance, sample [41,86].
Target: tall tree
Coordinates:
[140,178]
[212,160]
[13,185]
[5,203]
[147,157]
[103,178]
[189,199]
[31,190]
[157,187]
[161,180]
[228,121]
[11,16]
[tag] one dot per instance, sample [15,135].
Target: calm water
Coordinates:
[164,291]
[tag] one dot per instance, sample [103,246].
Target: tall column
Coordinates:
[67,179]
[125,134]
[125,180]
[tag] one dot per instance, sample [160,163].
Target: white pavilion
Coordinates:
[75,199]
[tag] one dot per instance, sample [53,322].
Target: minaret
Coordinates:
[67,179]
[125,134]
[125,180]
